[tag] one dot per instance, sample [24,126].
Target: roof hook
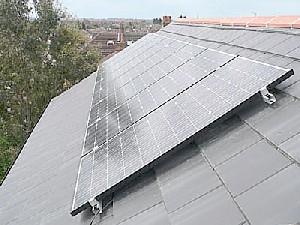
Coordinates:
[268,97]
[96,206]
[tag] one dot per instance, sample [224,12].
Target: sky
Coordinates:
[149,9]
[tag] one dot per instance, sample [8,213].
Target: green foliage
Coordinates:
[157,21]
[7,154]
[40,57]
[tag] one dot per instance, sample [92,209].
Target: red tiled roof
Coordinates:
[258,21]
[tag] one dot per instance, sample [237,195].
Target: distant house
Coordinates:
[110,42]
[104,39]
[243,168]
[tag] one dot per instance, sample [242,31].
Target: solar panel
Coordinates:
[142,109]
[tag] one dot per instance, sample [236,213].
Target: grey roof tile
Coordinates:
[186,177]
[272,40]
[172,28]
[291,147]
[32,214]
[61,198]
[277,123]
[289,125]
[13,222]
[275,201]
[286,46]
[251,167]
[5,196]
[232,137]
[211,35]
[185,30]
[246,37]
[32,219]
[60,216]
[152,216]
[232,35]
[11,214]
[295,53]
[107,221]
[140,195]
[220,35]
[279,61]
[252,42]
[67,170]
[294,90]
[215,208]
[192,31]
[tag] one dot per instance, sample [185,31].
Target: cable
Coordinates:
[94,217]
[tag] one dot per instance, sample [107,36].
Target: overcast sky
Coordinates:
[191,8]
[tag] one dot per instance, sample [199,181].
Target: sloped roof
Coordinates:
[242,171]
[153,97]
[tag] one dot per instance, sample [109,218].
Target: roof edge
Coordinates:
[256,21]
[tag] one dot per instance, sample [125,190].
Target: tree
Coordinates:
[157,21]
[38,57]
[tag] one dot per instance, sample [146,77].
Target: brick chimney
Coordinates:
[121,35]
[166,20]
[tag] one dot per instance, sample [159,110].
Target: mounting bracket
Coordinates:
[268,97]
[96,206]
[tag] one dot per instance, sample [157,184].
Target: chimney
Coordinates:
[121,34]
[121,40]
[166,20]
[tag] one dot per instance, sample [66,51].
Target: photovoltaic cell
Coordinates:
[147,100]
[171,83]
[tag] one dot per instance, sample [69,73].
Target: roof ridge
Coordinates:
[254,21]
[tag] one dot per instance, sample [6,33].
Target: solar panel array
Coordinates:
[153,96]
